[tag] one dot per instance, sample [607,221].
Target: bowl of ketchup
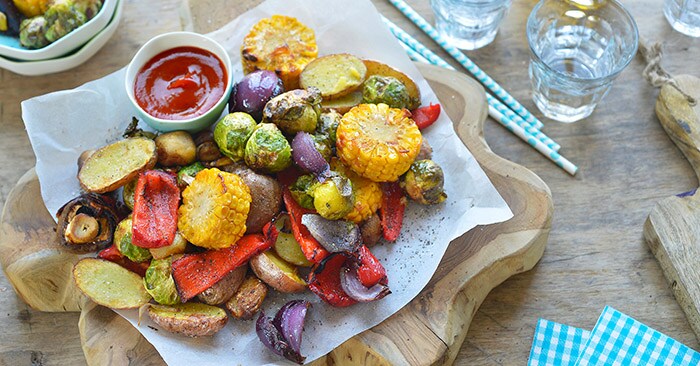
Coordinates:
[179,81]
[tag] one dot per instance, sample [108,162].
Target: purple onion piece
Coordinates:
[290,321]
[272,338]
[334,235]
[354,288]
[306,156]
[253,91]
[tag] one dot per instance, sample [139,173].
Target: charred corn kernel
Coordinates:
[378,142]
[214,209]
[368,194]
[281,44]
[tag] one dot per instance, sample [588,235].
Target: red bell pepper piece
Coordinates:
[324,281]
[156,199]
[391,212]
[195,273]
[425,116]
[370,271]
[313,251]
[112,254]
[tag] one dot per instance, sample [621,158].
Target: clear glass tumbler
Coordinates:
[469,24]
[684,16]
[578,47]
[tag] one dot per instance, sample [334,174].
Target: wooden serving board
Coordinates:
[673,227]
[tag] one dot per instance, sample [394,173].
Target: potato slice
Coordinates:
[343,104]
[277,273]
[221,291]
[110,284]
[334,75]
[190,319]
[116,164]
[248,299]
[378,68]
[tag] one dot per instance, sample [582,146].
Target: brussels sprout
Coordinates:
[159,282]
[232,133]
[122,241]
[424,182]
[323,145]
[186,174]
[62,18]
[385,89]
[128,193]
[328,124]
[89,8]
[267,150]
[32,32]
[303,190]
[294,111]
[333,199]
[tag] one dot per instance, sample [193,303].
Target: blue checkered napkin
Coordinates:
[556,344]
[618,339]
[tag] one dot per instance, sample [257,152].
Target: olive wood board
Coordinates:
[672,229]
[429,330]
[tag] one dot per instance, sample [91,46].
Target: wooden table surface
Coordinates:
[596,255]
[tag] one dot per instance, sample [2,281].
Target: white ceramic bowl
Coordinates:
[165,42]
[35,68]
[10,47]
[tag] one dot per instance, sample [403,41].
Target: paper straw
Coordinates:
[552,155]
[416,50]
[465,61]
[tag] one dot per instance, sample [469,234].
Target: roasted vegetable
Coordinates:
[368,194]
[313,251]
[328,125]
[178,246]
[294,111]
[214,209]
[176,148]
[133,130]
[252,93]
[10,18]
[276,272]
[191,319]
[122,241]
[381,69]
[31,8]
[352,286]
[281,44]
[303,189]
[306,156]
[32,32]
[128,193]
[206,147]
[333,199]
[186,175]
[112,254]
[385,89]
[109,284]
[371,230]
[378,142]
[283,334]
[88,7]
[267,150]
[342,104]
[334,235]
[425,116]
[87,223]
[116,164]
[156,200]
[159,283]
[289,250]
[424,182]
[426,151]
[62,17]
[392,209]
[222,291]
[232,133]
[248,299]
[265,193]
[324,281]
[334,75]
[324,146]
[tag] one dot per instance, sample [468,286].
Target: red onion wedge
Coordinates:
[353,287]
[283,334]
[335,235]
[306,156]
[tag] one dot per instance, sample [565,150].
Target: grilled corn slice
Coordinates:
[368,194]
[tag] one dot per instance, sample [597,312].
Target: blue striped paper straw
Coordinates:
[415,49]
[464,61]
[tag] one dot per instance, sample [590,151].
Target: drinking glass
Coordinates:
[469,24]
[684,16]
[578,47]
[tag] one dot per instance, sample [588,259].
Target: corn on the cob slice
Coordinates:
[368,194]
[378,142]
[214,209]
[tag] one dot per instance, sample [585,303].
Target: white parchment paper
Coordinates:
[63,124]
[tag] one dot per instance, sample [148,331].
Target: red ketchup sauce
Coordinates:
[180,83]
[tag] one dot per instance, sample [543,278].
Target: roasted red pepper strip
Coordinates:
[370,271]
[391,212]
[195,273]
[156,199]
[425,116]
[112,254]
[324,281]
[313,251]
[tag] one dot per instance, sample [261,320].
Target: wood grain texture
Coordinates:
[596,254]
[672,230]
[432,327]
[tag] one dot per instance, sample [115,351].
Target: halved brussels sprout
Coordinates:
[333,199]
[232,133]
[424,182]
[385,89]
[159,282]
[302,190]
[122,240]
[267,150]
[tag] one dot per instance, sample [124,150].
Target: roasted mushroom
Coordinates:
[87,223]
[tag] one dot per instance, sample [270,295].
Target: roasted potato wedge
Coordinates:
[343,104]
[277,273]
[176,148]
[110,284]
[225,288]
[334,75]
[378,68]
[190,319]
[248,299]
[116,164]
[288,249]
